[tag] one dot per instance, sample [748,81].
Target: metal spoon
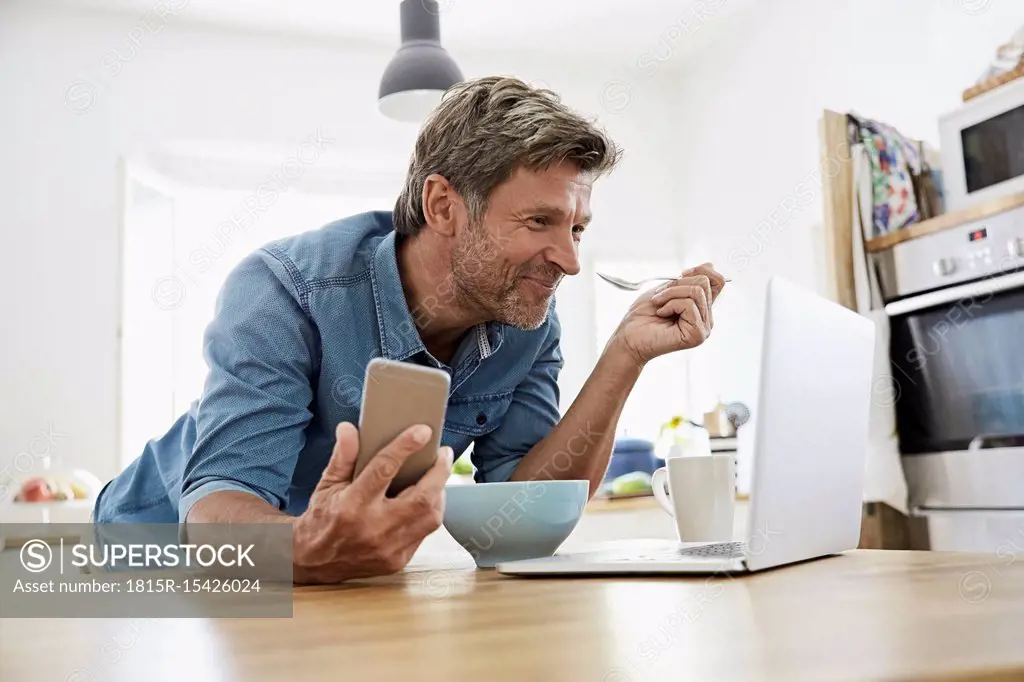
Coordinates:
[626,285]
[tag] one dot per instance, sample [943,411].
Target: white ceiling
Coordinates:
[612,29]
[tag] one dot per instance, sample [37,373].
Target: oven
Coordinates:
[955,303]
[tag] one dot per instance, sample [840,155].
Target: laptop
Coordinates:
[810,450]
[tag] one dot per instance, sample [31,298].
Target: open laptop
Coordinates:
[810,449]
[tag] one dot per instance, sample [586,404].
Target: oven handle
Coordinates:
[978,441]
[970,290]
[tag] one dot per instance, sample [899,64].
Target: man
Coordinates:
[461,276]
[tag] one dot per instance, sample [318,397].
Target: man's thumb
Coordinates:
[341,467]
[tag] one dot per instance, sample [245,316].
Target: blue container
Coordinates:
[547,513]
[629,455]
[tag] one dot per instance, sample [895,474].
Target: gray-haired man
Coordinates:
[460,276]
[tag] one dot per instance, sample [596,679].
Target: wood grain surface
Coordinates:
[865,615]
[946,221]
[835,160]
[990,84]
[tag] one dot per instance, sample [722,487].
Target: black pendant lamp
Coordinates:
[421,70]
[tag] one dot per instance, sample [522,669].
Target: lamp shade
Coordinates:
[421,71]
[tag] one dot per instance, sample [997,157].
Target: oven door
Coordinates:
[958,364]
[957,359]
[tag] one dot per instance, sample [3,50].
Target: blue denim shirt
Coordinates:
[295,325]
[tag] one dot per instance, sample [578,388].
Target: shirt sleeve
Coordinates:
[262,352]
[533,414]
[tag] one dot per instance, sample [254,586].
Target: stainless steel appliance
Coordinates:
[955,301]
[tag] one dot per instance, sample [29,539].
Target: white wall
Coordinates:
[747,111]
[79,95]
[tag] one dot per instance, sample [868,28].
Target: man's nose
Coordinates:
[564,254]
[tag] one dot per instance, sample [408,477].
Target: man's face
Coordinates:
[510,264]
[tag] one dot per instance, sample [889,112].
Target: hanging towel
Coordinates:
[884,479]
[895,161]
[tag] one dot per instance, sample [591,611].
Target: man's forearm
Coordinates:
[580,446]
[234,506]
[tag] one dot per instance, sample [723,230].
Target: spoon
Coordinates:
[626,285]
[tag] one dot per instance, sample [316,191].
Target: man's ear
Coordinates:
[443,208]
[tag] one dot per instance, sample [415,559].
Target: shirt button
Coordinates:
[481,418]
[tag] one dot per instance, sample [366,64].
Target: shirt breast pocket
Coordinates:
[477,415]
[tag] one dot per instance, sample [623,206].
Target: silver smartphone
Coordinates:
[397,395]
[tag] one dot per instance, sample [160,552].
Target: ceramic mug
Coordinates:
[700,495]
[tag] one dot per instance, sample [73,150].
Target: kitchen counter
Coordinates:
[605,504]
[864,615]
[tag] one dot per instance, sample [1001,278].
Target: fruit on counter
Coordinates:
[34,490]
[80,491]
[62,490]
[53,489]
[631,483]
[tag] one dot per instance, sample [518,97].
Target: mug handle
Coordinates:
[658,480]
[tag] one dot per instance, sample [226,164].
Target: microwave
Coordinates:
[982,147]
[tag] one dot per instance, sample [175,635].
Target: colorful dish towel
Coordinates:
[895,161]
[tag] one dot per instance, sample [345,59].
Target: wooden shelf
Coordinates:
[993,83]
[945,221]
[604,504]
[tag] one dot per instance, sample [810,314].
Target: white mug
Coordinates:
[701,496]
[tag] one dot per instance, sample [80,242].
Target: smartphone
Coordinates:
[397,395]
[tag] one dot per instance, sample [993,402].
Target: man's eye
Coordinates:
[578,230]
[540,220]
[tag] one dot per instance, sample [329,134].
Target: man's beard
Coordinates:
[479,282]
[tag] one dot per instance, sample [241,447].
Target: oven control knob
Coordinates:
[944,267]
[1017,247]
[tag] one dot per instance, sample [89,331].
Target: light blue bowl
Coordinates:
[510,521]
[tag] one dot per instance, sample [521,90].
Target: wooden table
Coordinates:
[865,615]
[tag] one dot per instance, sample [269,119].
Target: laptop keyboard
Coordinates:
[725,550]
[718,550]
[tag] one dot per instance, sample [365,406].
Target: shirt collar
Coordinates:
[399,338]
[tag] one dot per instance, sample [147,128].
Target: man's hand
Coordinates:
[351,529]
[675,316]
